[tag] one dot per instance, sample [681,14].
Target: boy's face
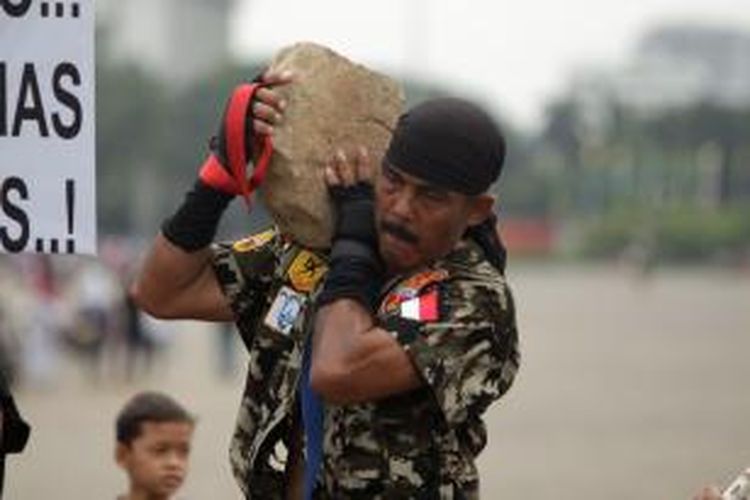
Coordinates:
[157,460]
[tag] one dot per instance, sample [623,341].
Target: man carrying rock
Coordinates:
[405,329]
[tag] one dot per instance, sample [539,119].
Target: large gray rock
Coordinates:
[332,103]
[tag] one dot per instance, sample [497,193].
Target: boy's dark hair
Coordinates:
[148,407]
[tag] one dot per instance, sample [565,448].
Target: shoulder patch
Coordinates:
[306,271]
[421,280]
[410,288]
[422,308]
[252,242]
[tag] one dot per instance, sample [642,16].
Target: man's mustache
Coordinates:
[399,232]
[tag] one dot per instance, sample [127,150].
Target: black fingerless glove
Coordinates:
[355,268]
[194,224]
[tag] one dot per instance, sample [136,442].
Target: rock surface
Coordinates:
[332,103]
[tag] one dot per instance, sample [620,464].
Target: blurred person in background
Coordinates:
[9,346]
[96,293]
[40,340]
[708,493]
[406,329]
[226,358]
[154,435]
[139,347]
[739,489]
[134,341]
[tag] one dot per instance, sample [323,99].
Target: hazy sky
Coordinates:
[514,55]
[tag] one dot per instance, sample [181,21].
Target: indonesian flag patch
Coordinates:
[411,288]
[421,308]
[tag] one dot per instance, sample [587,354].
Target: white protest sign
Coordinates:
[47,164]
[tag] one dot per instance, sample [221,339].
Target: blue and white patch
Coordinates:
[285,310]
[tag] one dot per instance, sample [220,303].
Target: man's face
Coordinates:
[419,222]
[157,460]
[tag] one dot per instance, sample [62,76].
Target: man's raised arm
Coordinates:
[174,283]
[353,360]
[177,279]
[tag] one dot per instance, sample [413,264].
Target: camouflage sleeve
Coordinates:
[245,270]
[469,355]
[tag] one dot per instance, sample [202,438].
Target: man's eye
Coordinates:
[390,180]
[438,196]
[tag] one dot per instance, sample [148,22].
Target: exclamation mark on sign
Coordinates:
[70,198]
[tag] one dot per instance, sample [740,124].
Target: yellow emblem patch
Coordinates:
[253,242]
[306,271]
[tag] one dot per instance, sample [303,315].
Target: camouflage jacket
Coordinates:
[455,318]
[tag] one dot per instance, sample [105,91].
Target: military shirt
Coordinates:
[456,320]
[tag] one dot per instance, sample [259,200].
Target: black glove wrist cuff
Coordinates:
[194,224]
[355,272]
[356,220]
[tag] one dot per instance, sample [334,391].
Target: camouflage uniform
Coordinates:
[455,318]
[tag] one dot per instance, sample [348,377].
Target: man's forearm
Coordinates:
[174,283]
[338,326]
[177,279]
[355,361]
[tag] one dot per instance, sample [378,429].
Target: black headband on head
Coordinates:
[449,142]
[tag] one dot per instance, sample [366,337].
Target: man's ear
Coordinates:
[122,452]
[480,208]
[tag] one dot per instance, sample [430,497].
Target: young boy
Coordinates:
[153,445]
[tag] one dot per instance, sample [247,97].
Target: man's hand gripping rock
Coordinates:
[244,136]
[356,270]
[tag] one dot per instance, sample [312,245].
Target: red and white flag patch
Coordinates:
[421,308]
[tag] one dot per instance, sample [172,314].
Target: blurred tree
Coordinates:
[728,130]
[562,137]
[646,178]
[131,108]
[563,132]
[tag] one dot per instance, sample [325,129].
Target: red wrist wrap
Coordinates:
[234,180]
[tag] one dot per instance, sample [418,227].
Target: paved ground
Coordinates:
[630,389]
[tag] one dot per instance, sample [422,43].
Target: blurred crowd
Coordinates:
[53,306]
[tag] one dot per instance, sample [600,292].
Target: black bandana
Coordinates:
[450,143]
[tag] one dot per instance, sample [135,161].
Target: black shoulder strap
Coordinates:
[486,236]
[14,432]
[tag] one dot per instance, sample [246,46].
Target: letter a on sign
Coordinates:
[47,134]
